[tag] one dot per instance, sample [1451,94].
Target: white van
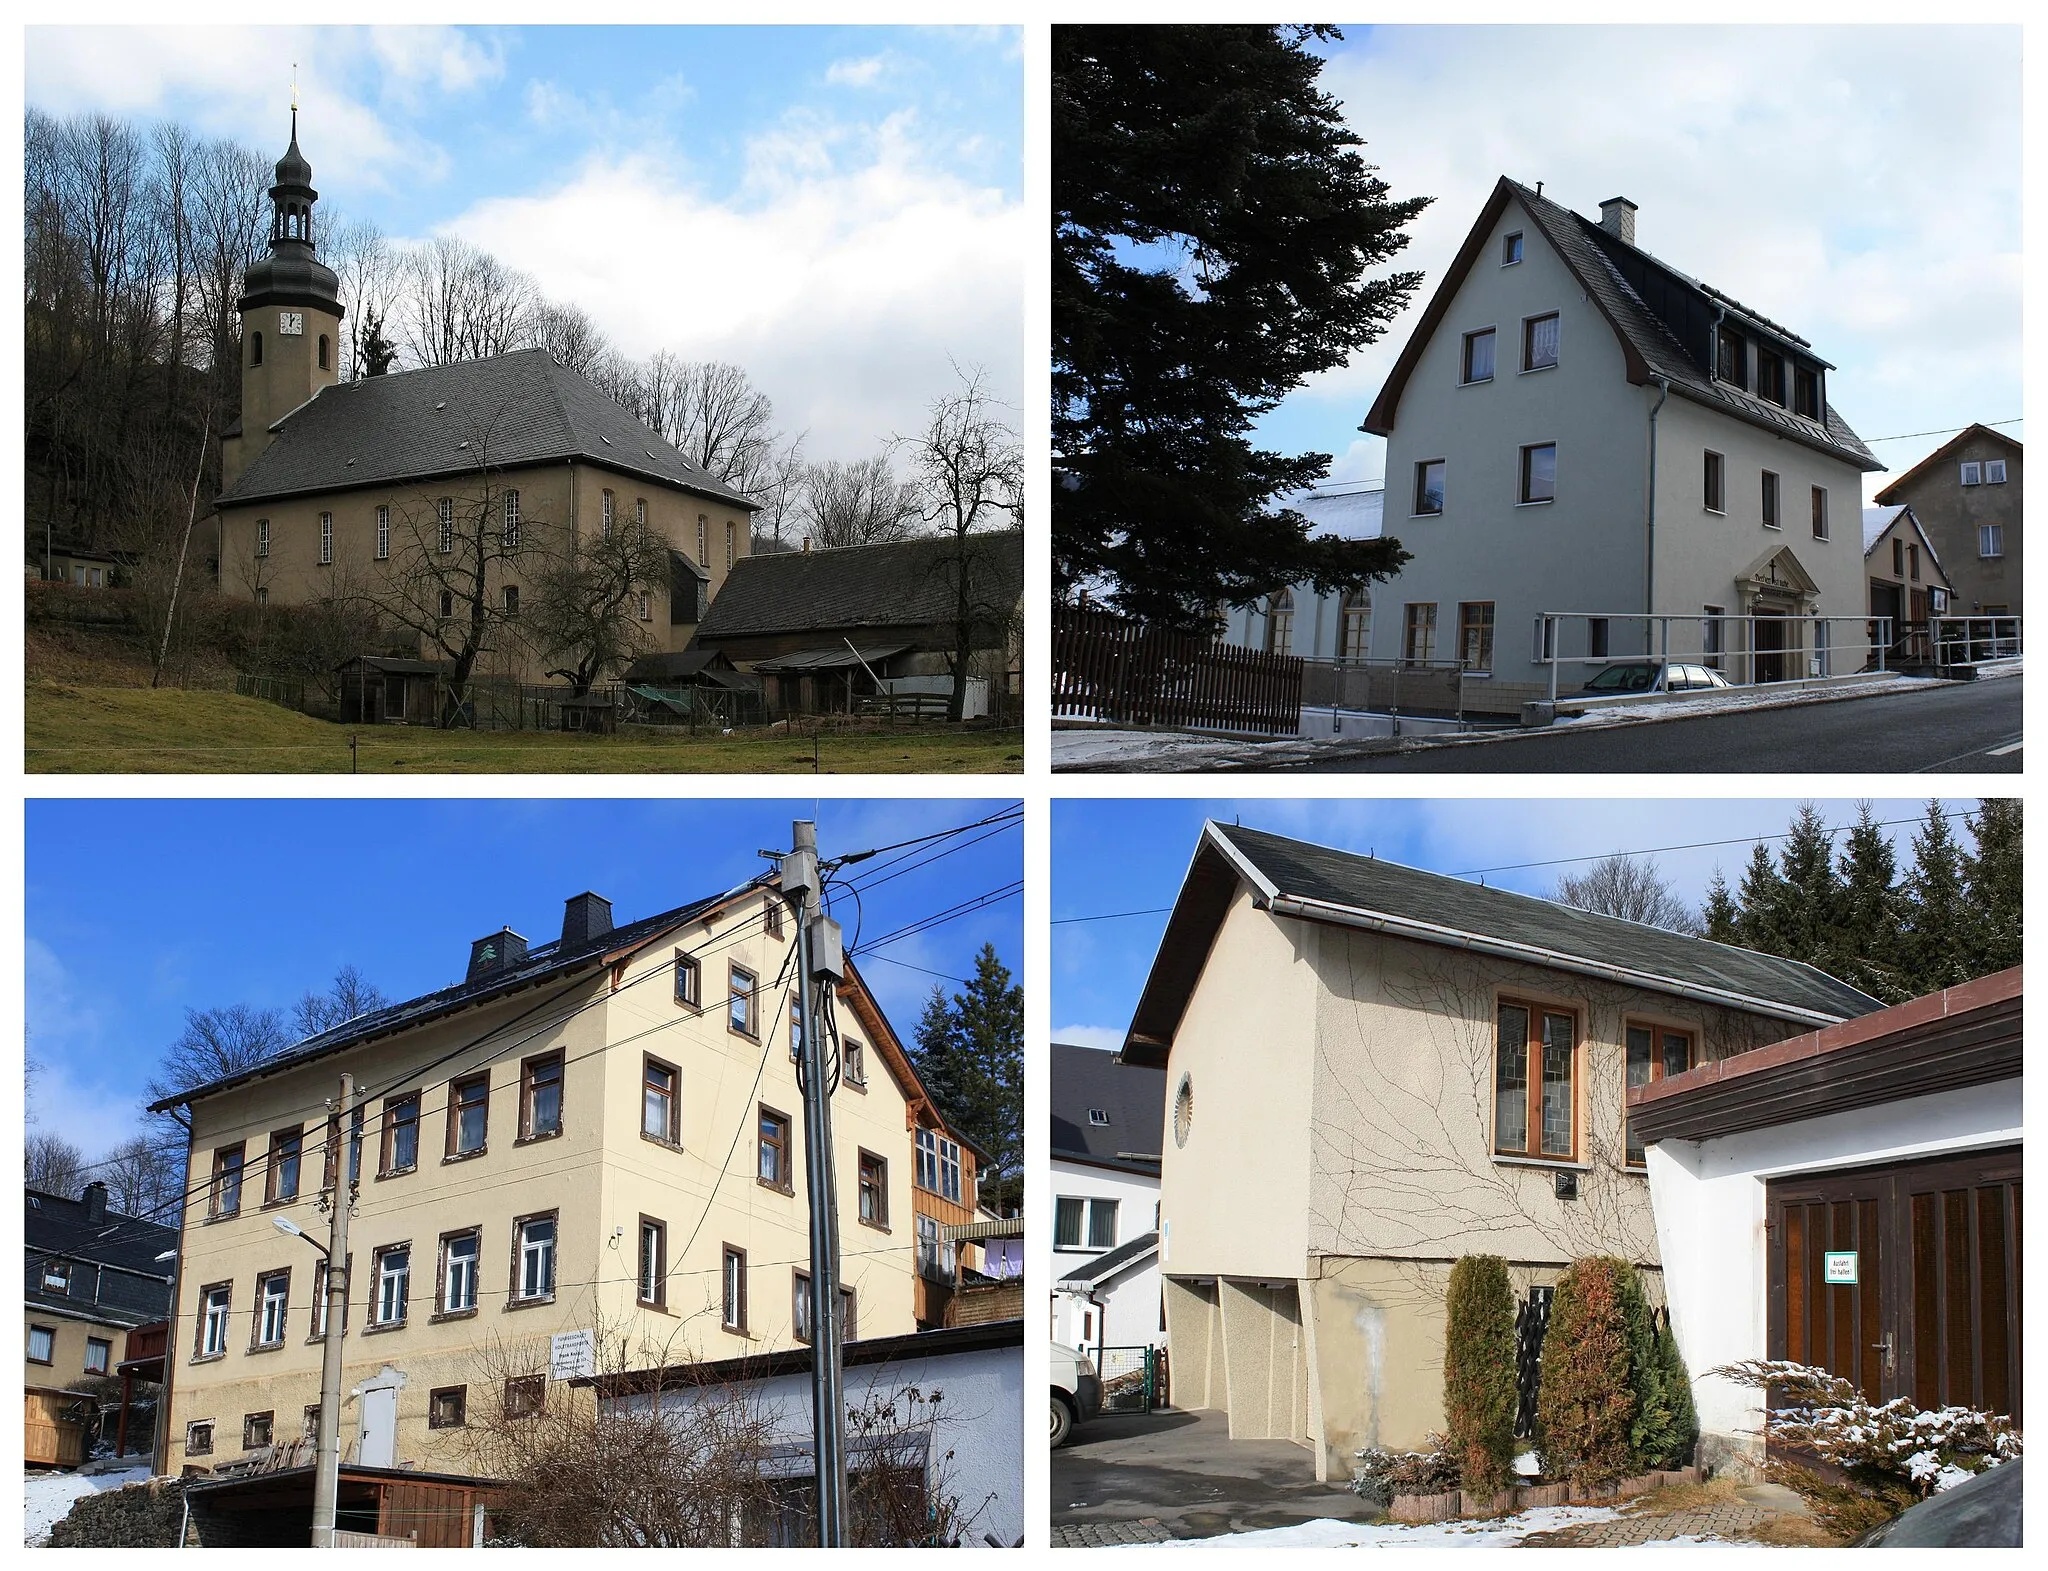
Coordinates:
[1076,1391]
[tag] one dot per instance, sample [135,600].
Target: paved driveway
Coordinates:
[1180,1475]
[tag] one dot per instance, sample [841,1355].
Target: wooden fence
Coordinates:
[1106,668]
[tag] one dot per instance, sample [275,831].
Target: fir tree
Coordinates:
[1872,912]
[1761,901]
[970,1056]
[1994,873]
[1938,921]
[1809,923]
[1720,919]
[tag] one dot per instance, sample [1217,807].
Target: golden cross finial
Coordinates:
[295,100]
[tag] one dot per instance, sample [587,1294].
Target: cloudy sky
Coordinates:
[140,910]
[1859,184]
[839,210]
[1130,855]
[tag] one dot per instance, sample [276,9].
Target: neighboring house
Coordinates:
[959,1439]
[1907,581]
[1107,1116]
[1968,494]
[601,1133]
[332,487]
[70,562]
[1577,427]
[1849,1199]
[94,1277]
[1373,1070]
[835,631]
[944,1189]
[1299,621]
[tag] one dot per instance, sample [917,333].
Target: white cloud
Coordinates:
[66,1036]
[1108,1038]
[864,72]
[846,278]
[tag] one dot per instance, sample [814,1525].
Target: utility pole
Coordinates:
[327,1453]
[821,962]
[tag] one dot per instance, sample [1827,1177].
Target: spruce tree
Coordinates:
[1720,918]
[1872,912]
[970,1055]
[1809,923]
[1480,1393]
[1938,919]
[1994,873]
[1761,901]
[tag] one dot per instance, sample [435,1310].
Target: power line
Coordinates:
[1946,430]
[1111,916]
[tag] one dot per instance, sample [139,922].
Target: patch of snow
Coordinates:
[1078,749]
[1325,1533]
[1527,1465]
[1728,700]
[50,1496]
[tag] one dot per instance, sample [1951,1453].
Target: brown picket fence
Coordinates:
[1108,668]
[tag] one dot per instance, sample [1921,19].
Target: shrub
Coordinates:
[1479,1372]
[1684,1432]
[1382,1474]
[1586,1407]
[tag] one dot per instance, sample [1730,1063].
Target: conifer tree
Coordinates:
[1994,873]
[1761,900]
[1938,922]
[1720,919]
[1480,1394]
[1809,921]
[970,1055]
[1872,912]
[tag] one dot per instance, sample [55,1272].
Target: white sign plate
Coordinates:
[572,1355]
[1839,1265]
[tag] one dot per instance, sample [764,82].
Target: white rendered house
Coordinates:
[1107,1117]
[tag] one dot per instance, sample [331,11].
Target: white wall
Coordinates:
[1127,1310]
[981,1423]
[1708,1197]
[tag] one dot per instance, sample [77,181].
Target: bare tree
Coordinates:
[53,1164]
[458,302]
[1629,887]
[142,1177]
[351,996]
[594,600]
[779,487]
[857,503]
[567,333]
[368,269]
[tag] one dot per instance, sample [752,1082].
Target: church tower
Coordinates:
[291,317]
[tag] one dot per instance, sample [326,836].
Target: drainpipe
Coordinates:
[1650,540]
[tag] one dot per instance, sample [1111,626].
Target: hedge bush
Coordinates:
[1586,1408]
[1479,1372]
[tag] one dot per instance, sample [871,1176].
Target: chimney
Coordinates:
[501,949]
[807,542]
[1618,218]
[584,917]
[95,1198]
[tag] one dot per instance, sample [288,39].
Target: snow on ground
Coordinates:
[50,1495]
[1327,1534]
[1723,700]
[1077,749]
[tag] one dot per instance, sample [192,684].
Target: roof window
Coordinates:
[1098,1117]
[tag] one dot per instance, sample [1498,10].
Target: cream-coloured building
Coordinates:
[444,485]
[1371,1071]
[601,1134]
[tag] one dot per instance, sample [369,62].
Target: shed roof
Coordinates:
[1093,1273]
[907,583]
[1132,1098]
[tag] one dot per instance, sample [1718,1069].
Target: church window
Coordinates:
[383,534]
[731,544]
[447,602]
[446,507]
[640,511]
[646,606]
[511,519]
[511,600]
[604,526]
[263,537]
[703,523]
[326,539]
[323,351]
[255,349]
[262,595]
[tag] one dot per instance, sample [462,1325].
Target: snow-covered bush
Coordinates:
[1381,1474]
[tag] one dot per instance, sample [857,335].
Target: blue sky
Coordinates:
[138,910]
[1859,184]
[838,209]
[1130,854]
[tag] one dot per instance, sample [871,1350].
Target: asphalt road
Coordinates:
[1973,727]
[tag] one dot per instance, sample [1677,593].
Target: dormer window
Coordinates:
[1806,393]
[1770,377]
[1731,358]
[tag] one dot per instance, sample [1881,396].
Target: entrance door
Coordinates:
[377,1444]
[1769,664]
[1933,1312]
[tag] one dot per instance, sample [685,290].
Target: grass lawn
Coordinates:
[75,729]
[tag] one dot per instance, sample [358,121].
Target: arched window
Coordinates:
[1280,624]
[604,521]
[1357,611]
[323,351]
[255,349]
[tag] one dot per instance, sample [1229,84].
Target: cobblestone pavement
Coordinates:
[1099,1535]
[1728,1519]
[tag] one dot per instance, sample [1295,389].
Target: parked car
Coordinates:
[1651,676]
[1980,1513]
[1076,1391]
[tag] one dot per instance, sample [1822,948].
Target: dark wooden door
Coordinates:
[1770,647]
[1934,1313]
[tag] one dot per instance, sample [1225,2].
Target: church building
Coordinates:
[445,486]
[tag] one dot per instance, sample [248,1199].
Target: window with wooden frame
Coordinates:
[469,1115]
[216,1306]
[281,1173]
[1731,358]
[1820,513]
[1418,633]
[540,1096]
[525,1395]
[1714,494]
[57,1276]
[99,1355]
[390,1285]
[853,1062]
[1476,359]
[771,917]
[874,1189]
[938,1165]
[1770,376]
[653,1262]
[1280,623]
[689,981]
[448,1407]
[1806,393]
[740,984]
[399,1151]
[199,1439]
[257,1429]
[1770,501]
[1475,635]
[273,1306]
[533,1258]
[1539,342]
[774,1164]
[1535,1080]
[42,1344]
[659,1117]
[1356,611]
[1653,1052]
[461,1260]
[800,1304]
[1913,563]
[732,1296]
[226,1192]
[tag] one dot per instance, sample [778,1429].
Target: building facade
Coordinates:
[590,1148]
[1908,585]
[1107,1116]
[1440,1069]
[1577,428]
[1969,496]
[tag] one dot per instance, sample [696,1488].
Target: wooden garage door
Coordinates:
[1935,1311]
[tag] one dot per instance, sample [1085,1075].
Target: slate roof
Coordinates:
[1133,1096]
[908,583]
[1094,1273]
[1433,907]
[410,425]
[545,963]
[55,1227]
[1650,346]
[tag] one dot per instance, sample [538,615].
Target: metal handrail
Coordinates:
[1875,640]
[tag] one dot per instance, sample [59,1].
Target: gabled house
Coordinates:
[1372,1070]
[600,1133]
[1968,495]
[1907,582]
[1577,427]
[96,1280]
[1107,1121]
[853,628]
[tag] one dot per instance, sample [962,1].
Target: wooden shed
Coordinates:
[53,1432]
[387,1505]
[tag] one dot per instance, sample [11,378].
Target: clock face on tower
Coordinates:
[291,323]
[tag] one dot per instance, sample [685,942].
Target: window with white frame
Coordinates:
[1083,1223]
[604,521]
[445,511]
[1994,471]
[938,1164]
[393,1278]
[263,537]
[383,534]
[273,1296]
[1990,541]
[1973,473]
[536,1258]
[511,520]
[653,1261]
[460,1254]
[215,1306]
[326,539]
